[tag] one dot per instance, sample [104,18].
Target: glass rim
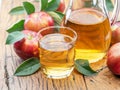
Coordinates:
[68,28]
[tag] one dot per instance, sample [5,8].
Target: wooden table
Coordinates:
[9,61]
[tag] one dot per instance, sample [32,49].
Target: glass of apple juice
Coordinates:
[57,52]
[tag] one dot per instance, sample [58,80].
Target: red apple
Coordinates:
[28,46]
[61,7]
[116,33]
[113,59]
[37,21]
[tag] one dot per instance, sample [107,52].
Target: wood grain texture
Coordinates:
[105,80]
[9,61]
[3,74]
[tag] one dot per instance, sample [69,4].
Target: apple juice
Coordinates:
[56,55]
[94,33]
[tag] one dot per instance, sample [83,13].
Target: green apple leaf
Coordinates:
[53,5]
[57,16]
[83,67]
[14,37]
[28,67]
[88,4]
[44,4]
[29,7]
[60,14]
[109,5]
[36,0]
[19,26]
[17,10]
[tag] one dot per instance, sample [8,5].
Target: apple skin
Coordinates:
[61,7]
[115,33]
[37,21]
[28,46]
[113,59]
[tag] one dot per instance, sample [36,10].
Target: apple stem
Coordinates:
[29,36]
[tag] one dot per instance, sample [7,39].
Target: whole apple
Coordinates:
[38,20]
[116,33]
[28,46]
[113,59]
[61,7]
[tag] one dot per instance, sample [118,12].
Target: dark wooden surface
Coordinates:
[9,61]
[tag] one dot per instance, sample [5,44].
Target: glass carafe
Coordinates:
[90,19]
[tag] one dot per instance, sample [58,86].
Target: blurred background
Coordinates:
[0,3]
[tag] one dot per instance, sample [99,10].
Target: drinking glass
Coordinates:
[57,52]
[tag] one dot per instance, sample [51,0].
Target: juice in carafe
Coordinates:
[94,33]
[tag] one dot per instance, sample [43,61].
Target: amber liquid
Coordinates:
[94,33]
[56,55]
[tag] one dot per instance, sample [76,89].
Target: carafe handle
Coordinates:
[68,10]
[115,13]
